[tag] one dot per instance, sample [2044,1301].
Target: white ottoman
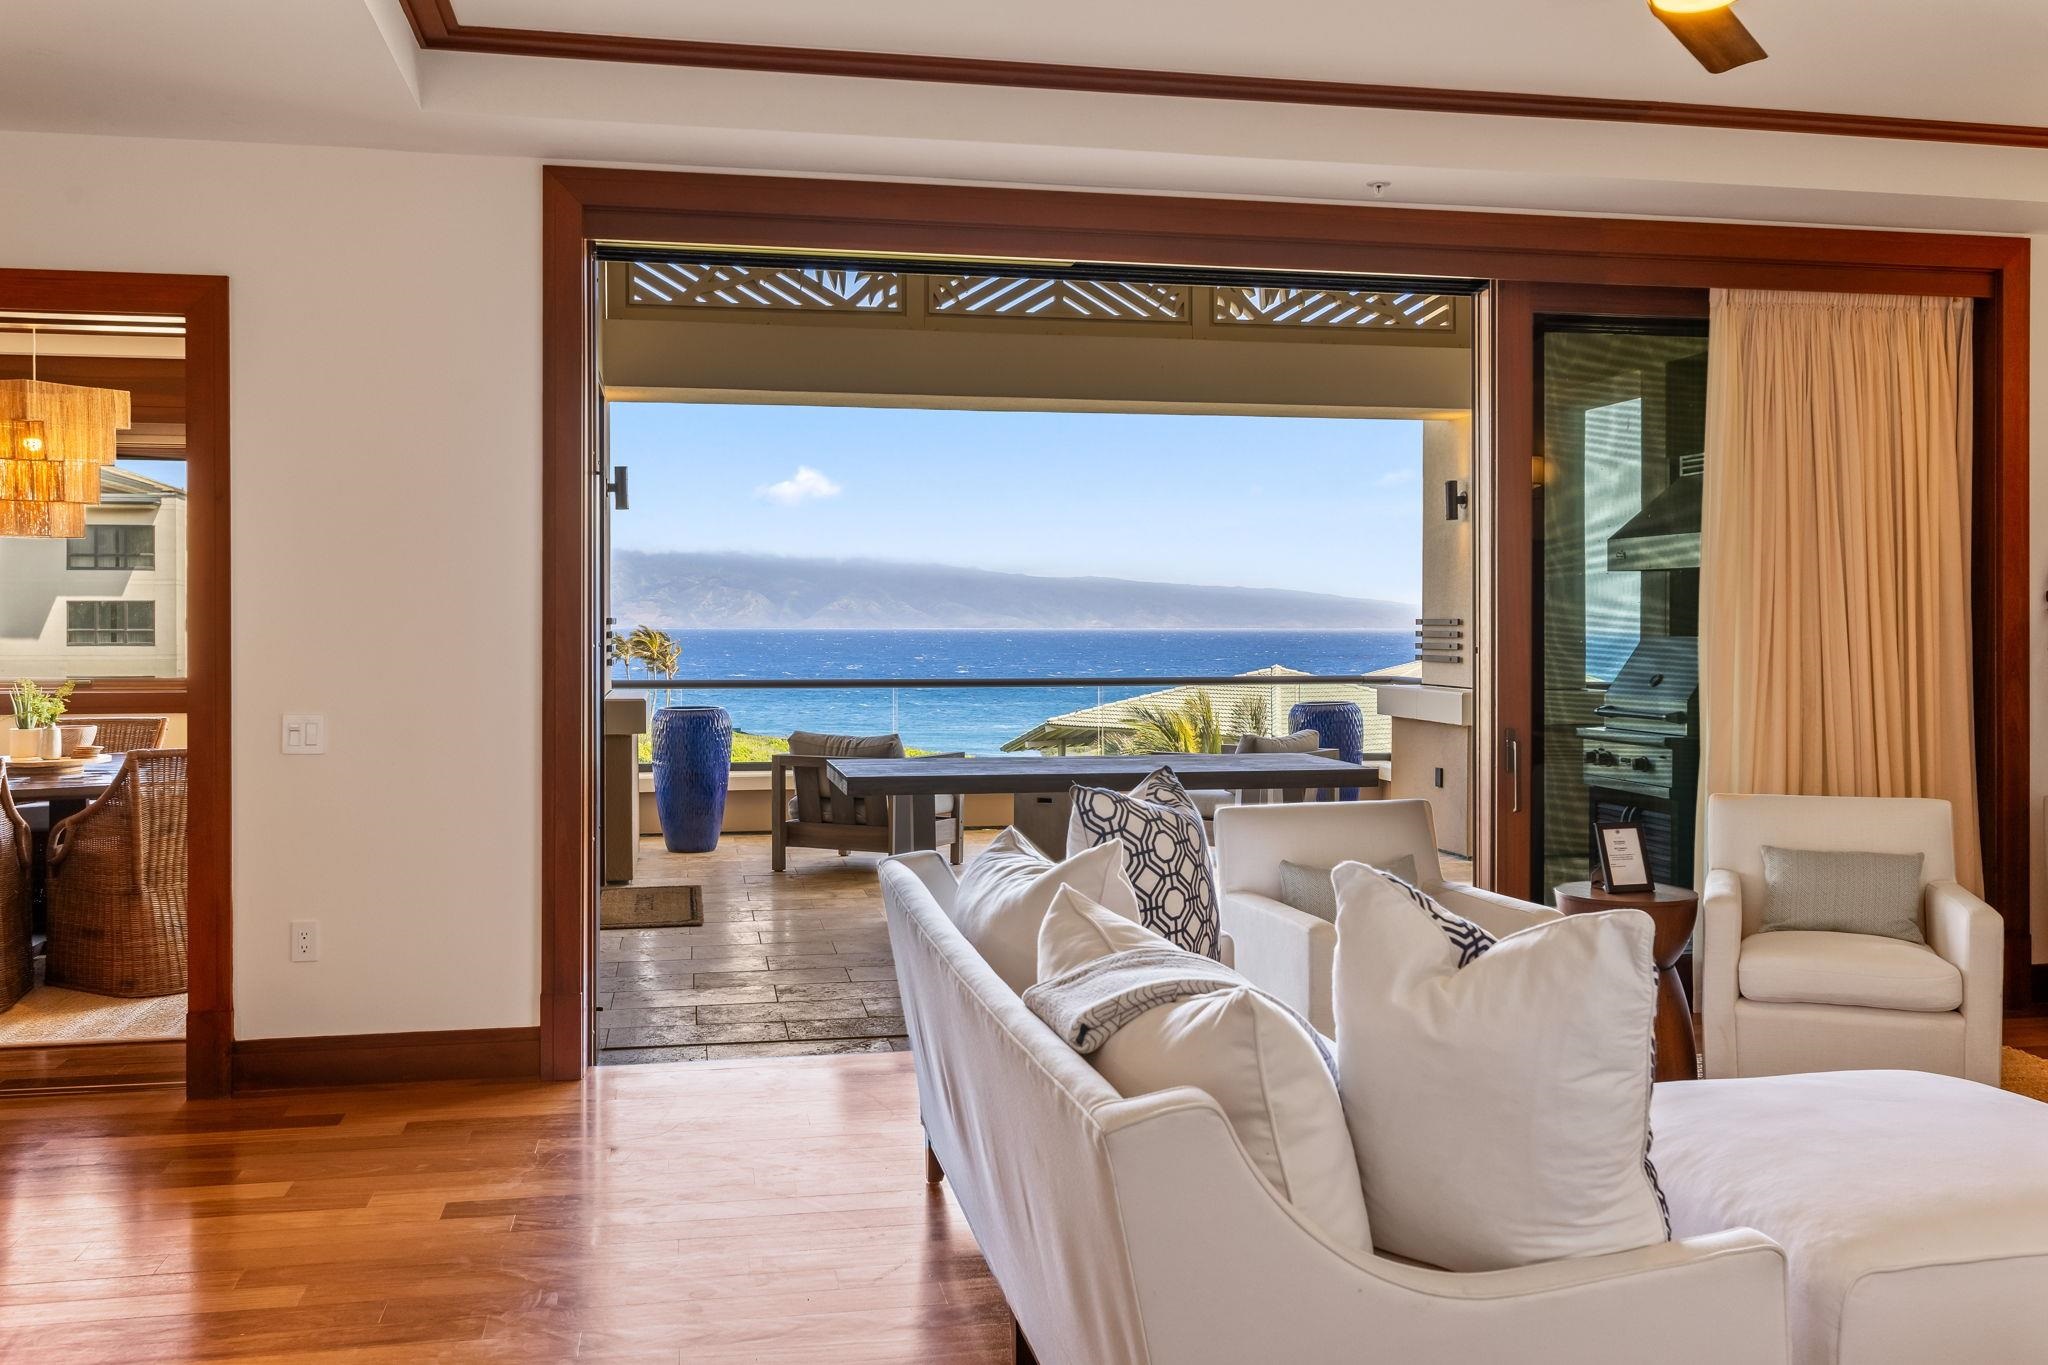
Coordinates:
[1913,1208]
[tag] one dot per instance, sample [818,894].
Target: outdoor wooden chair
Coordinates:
[17,954]
[807,813]
[117,884]
[120,734]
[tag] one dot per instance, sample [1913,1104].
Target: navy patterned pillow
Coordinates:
[1165,854]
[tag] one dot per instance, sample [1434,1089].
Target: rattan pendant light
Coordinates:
[54,440]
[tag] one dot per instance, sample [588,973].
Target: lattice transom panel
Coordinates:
[1337,308]
[811,289]
[1019,296]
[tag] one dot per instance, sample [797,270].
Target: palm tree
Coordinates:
[1193,727]
[655,648]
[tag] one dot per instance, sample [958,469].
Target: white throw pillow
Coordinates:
[1006,889]
[1077,930]
[1498,1091]
[1254,1058]
[1166,855]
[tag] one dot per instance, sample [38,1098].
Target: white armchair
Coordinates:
[1797,1000]
[1289,952]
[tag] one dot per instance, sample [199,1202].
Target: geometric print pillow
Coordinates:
[1166,855]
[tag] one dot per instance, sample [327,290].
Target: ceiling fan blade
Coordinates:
[1715,37]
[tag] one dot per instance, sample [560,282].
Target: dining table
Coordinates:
[1042,785]
[66,792]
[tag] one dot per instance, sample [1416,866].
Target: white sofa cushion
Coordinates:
[1497,1091]
[1913,1208]
[1252,1056]
[1076,930]
[1166,854]
[1006,889]
[1811,967]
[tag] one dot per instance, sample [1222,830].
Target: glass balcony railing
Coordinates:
[987,716]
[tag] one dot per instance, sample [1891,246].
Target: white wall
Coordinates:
[386,353]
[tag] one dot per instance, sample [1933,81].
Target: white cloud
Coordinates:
[802,486]
[1394,478]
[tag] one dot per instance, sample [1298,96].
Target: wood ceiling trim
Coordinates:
[437,29]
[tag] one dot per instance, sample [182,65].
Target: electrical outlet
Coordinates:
[305,940]
[305,734]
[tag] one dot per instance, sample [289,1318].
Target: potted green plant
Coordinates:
[36,712]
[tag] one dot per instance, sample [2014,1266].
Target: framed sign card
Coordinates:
[1624,866]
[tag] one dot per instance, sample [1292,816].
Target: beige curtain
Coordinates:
[1835,558]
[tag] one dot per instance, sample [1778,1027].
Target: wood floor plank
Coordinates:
[768,1211]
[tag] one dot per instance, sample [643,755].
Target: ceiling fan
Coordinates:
[1710,32]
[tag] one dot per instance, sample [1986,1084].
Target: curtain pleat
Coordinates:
[1835,556]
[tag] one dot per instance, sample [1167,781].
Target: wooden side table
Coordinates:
[1674,910]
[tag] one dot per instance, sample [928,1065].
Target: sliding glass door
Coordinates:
[1601,425]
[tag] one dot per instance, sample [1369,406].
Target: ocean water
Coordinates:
[980,720]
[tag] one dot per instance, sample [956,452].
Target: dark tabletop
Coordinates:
[81,784]
[1047,773]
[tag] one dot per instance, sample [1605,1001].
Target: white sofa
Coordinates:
[1138,1232]
[1290,952]
[1793,1001]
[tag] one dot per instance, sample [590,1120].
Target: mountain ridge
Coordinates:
[692,590]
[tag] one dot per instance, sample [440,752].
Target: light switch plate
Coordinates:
[305,734]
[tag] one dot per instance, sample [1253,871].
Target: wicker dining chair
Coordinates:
[17,953]
[117,884]
[121,734]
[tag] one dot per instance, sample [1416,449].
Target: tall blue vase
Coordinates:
[692,767]
[1339,725]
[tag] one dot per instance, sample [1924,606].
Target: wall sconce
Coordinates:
[1457,500]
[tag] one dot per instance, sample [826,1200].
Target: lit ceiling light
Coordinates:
[1710,32]
[54,440]
[33,486]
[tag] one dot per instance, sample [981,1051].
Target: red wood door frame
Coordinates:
[585,205]
[1516,390]
[206,694]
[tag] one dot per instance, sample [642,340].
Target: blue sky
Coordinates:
[1321,504]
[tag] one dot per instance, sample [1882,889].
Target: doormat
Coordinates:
[650,907]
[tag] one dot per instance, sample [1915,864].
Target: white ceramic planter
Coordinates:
[49,742]
[23,744]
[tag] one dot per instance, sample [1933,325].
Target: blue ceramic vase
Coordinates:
[692,767]
[1339,725]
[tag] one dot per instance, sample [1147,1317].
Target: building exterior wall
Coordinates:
[36,586]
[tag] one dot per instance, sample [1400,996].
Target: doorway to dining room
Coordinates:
[112,746]
[967,510]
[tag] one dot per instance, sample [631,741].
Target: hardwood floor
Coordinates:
[92,1066]
[724,1212]
[789,963]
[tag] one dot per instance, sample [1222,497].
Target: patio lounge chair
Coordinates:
[816,816]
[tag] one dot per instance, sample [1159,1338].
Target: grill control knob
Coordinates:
[1644,765]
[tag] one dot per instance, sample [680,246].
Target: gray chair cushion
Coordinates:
[1843,893]
[1300,742]
[814,745]
[1309,889]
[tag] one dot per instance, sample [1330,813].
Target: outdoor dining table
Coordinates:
[1043,785]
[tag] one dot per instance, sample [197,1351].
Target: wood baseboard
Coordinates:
[379,1058]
